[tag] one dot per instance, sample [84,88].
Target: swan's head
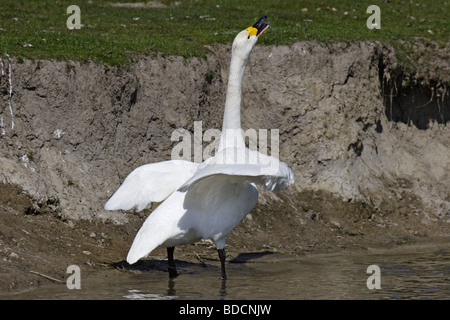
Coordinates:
[246,39]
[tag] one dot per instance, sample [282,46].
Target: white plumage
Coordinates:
[207,200]
[151,183]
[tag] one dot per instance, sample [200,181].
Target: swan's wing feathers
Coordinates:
[151,183]
[268,171]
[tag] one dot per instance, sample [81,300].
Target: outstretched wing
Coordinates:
[244,165]
[151,183]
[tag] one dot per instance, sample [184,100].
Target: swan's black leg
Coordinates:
[172,268]
[222,263]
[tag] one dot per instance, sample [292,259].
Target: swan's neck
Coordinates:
[231,127]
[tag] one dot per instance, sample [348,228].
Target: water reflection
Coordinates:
[223,290]
[138,295]
[171,291]
[406,273]
[422,276]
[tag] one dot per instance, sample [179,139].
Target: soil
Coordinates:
[368,143]
[36,249]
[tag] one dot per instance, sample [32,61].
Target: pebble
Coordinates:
[14,255]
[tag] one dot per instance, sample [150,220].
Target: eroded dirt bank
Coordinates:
[369,145]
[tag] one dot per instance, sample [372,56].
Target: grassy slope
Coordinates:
[111,35]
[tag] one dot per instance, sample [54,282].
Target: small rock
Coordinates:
[13,255]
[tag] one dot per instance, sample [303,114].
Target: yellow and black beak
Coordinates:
[258,28]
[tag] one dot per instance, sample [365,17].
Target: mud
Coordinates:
[368,142]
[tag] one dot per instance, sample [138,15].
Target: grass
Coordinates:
[113,35]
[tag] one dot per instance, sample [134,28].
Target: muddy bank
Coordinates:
[369,144]
[36,247]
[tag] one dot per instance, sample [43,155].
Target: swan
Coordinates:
[203,200]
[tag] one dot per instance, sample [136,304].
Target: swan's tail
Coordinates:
[137,251]
[144,243]
[148,238]
[159,227]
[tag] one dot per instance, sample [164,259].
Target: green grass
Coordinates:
[112,35]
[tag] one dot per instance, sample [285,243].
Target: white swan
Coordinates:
[207,200]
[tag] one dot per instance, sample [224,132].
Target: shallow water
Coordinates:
[405,273]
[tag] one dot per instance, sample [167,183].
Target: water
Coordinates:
[406,273]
